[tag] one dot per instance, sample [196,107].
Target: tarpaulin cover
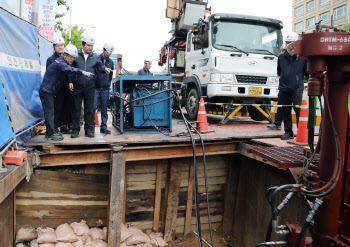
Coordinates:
[20,69]
[6,133]
[46,50]
[5,5]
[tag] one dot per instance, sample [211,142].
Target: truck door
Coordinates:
[197,63]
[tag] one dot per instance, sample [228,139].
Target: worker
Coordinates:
[146,67]
[291,71]
[51,85]
[63,99]
[278,116]
[84,88]
[145,72]
[103,84]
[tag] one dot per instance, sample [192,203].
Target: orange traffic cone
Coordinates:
[302,133]
[202,118]
[96,119]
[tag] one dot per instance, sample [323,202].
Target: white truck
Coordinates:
[228,58]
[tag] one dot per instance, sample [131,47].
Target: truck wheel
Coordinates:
[256,115]
[192,104]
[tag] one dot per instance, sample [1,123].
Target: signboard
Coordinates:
[46,18]
[26,9]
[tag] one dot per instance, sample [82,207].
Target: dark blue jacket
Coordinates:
[92,64]
[291,71]
[103,81]
[51,59]
[144,71]
[55,75]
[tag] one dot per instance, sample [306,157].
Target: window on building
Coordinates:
[311,5]
[339,12]
[299,10]
[299,27]
[310,23]
[324,2]
[324,17]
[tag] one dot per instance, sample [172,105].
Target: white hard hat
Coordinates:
[71,50]
[89,39]
[291,37]
[148,61]
[58,40]
[109,47]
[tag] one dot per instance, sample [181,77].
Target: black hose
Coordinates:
[302,233]
[269,232]
[198,223]
[273,197]
[206,184]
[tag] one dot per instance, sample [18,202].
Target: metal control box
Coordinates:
[146,103]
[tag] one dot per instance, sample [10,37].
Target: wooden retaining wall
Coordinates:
[67,194]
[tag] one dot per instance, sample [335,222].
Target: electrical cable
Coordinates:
[199,230]
[337,171]
[316,206]
[188,127]
[206,184]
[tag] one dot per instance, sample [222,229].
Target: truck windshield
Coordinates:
[251,38]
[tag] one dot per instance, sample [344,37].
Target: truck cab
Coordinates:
[232,59]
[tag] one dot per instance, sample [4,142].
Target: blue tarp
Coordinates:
[5,5]
[21,72]
[46,50]
[6,133]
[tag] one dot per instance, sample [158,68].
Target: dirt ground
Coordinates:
[219,241]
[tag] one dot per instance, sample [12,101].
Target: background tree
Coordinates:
[77,35]
[58,25]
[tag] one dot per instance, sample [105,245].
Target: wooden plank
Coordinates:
[166,195]
[116,201]
[230,196]
[54,197]
[158,195]
[173,200]
[136,154]
[52,149]
[189,198]
[14,214]
[9,183]
[6,222]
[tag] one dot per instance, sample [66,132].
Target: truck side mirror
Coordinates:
[196,40]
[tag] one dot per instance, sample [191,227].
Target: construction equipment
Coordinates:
[219,65]
[142,103]
[325,181]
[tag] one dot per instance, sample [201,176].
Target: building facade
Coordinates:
[306,13]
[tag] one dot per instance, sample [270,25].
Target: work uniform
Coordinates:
[52,83]
[145,72]
[291,70]
[63,100]
[84,89]
[103,84]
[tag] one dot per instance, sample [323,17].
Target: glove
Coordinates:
[88,74]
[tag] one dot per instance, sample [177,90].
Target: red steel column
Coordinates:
[327,217]
[333,47]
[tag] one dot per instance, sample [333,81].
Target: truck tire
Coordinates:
[192,104]
[256,115]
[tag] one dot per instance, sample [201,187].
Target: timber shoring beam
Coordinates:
[116,198]
[173,199]
[230,195]
[100,156]
[158,195]
[189,204]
